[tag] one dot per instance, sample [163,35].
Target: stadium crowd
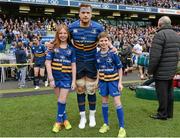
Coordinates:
[152,3]
[124,37]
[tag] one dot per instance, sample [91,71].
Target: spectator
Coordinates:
[137,51]
[39,57]
[126,54]
[2,43]
[163,63]
[21,58]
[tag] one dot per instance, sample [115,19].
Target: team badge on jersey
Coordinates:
[62,57]
[75,30]
[109,60]
[98,60]
[94,31]
[68,52]
[56,50]
[103,66]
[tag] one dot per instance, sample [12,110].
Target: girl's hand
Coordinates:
[73,85]
[52,84]
[120,86]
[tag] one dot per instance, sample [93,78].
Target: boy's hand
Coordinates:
[96,84]
[113,49]
[120,86]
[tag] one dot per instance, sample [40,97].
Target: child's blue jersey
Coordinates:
[61,62]
[25,41]
[2,45]
[108,65]
[85,40]
[39,54]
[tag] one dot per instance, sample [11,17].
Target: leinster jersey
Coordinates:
[108,65]
[25,42]
[85,40]
[61,62]
[39,54]
[2,45]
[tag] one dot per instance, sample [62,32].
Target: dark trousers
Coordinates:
[164,90]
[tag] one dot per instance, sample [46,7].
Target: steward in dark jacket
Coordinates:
[164,54]
[21,58]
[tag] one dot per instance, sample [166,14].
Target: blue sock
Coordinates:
[64,116]
[61,109]
[120,115]
[92,101]
[105,112]
[81,101]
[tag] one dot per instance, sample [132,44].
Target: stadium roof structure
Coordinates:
[70,8]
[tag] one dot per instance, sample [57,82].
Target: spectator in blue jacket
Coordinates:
[2,43]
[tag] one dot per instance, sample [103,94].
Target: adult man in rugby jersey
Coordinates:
[84,33]
[38,57]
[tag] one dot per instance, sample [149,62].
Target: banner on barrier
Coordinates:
[99,5]
[138,9]
[168,11]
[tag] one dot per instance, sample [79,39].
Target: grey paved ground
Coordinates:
[22,94]
[12,84]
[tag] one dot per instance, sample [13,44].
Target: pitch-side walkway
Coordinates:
[9,88]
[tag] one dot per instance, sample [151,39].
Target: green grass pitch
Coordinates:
[34,116]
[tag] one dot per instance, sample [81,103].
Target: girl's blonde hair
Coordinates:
[57,41]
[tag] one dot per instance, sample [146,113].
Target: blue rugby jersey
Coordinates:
[61,62]
[108,65]
[2,44]
[39,54]
[25,41]
[85,40]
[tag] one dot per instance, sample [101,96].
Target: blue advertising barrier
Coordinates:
[47,38]
[138,8]
[99,5]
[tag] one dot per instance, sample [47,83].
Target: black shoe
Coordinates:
[158,117]
[132,87]
[170,117]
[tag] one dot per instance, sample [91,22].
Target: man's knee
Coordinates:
[80,86]
[42,72]
[90,87]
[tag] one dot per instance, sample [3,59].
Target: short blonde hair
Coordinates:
[104,34]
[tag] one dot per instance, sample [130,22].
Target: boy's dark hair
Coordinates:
[36,37]
[84,5]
